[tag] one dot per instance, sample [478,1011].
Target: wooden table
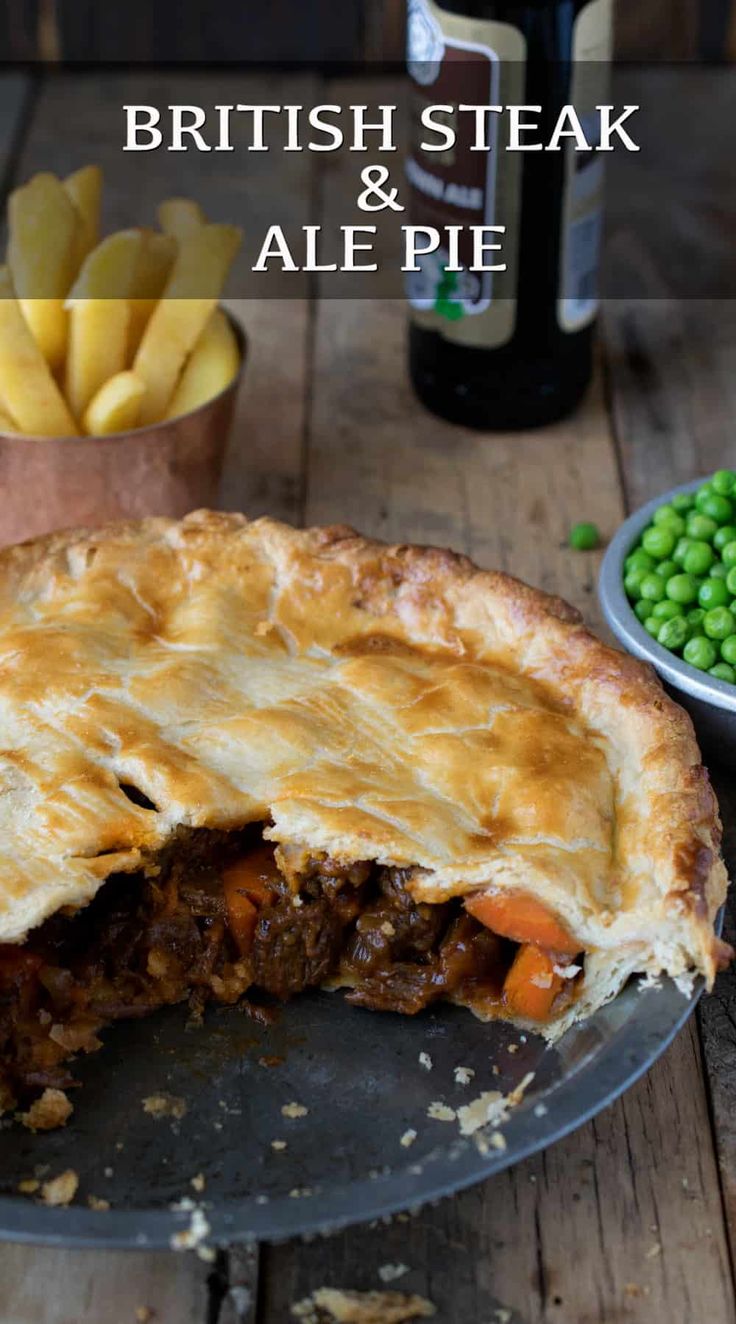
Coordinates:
[632,1218]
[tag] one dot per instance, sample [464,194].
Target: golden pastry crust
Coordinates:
[376,702]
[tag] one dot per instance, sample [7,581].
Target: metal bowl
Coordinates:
[710,702]
[166,468]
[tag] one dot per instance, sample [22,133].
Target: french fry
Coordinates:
[99,317]
[116,406]
[211,366]
[202,263]
[6,423]
[27,387]
[180,217]
[84,187]
[155,261]
[42,252]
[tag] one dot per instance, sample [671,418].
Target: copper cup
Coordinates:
[168,468]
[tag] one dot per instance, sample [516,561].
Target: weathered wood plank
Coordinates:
[619,1220]
[717,1015]
[73,1287]
[282,31]
[15,90]
[19,29]
[240,1303]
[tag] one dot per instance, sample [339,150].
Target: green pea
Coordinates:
[712,593]
[674,634]
[682,501]
[667,517]
[700,652]
[728,650]
[724,535]
[632,583]
[682,588]
[695,618]
[641,558]
[666,569]
[652,588]
[699,558]
[665,610]
[723,482]
[652,626]
[644,609]
[702,495]
[681,550]
[731,580]
[719,623]
[584,537]
[728,554]
[659,541]
[722,671]
[717,571]
[717,507]
[700,526]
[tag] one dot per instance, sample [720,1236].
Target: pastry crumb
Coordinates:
[514,1048]
[99,1205]
[488,1107]
[144,1314]
[498,1141]
[278,1144]
[408,1138]
[300,1192]
[388,928]
[60,1190]
[331,1305]
[28,1186]
[198,1182]
[491,1107]
[502,1314]
[164,1105]
[425,1061]
[52,1109]
[440,1112]
[294,1110]
[463,1075]
[653,1251]
[191,1237]
[388,1273]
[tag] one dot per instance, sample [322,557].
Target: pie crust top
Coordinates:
[378,703]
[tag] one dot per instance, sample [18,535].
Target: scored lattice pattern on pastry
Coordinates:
[373,702]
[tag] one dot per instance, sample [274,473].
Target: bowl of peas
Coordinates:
[668,592]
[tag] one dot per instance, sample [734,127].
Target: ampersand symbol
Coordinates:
[375,176]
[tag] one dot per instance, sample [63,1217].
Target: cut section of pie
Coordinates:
[238,759]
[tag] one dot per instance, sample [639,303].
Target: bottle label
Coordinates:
[582,203]
[454,59]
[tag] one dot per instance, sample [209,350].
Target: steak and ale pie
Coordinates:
[241,760]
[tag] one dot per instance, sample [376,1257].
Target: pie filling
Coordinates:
[223,914]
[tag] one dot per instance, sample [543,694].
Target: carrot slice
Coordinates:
[248,884]
[242,917]
[531,984]
[522,918]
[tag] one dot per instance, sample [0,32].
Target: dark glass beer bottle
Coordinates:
[510,349]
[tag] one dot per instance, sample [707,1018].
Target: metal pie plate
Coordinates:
[357,1072]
